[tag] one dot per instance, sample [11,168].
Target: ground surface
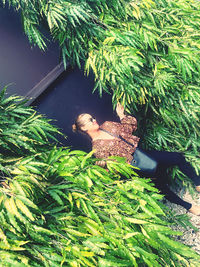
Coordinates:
[189,237]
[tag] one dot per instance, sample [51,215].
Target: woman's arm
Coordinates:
[101,153]
[129,122]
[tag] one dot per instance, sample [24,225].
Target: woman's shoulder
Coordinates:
[109,124]
[111,127]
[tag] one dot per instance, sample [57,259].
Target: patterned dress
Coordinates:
[117,147]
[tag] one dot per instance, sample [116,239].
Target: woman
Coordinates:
[106,142]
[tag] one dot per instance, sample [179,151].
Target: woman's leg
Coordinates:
[169,159]
[160,180]
[161,184]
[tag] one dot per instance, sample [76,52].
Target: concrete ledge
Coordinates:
[40,87]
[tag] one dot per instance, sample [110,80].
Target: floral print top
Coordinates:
[117,147]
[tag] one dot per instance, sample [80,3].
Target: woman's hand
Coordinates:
[101,163]
[120,111]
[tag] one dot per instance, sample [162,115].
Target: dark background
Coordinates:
[20,64]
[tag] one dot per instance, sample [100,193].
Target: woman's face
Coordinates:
[89,123]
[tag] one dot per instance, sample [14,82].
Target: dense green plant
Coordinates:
[145,52]
[57,208]
[22,131]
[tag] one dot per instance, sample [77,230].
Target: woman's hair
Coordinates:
[79,123]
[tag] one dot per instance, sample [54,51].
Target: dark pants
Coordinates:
[170,159]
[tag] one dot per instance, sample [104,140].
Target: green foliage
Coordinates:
[57,208]
[22,131]
[71,212]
